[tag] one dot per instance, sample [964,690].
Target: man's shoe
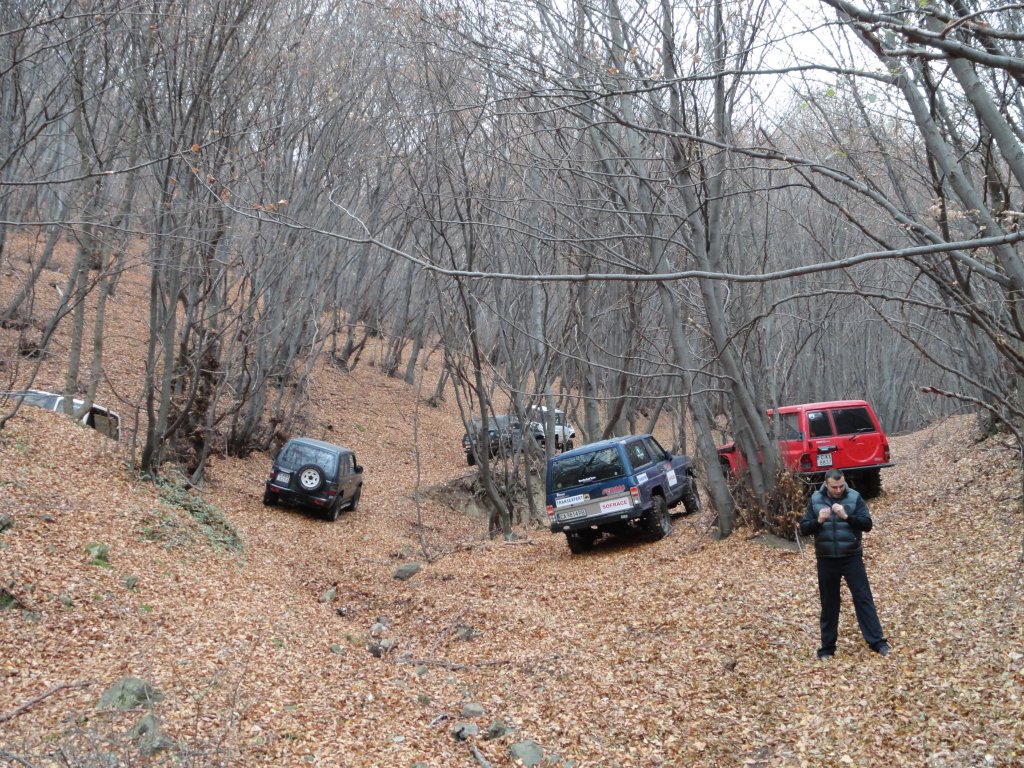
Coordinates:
[826,654]
[883,649]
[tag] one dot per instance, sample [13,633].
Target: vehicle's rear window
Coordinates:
[346,464]
[638,454]
[299,455]
[593,467]
[493,423]
[850,421]
[654,448]
[818,424]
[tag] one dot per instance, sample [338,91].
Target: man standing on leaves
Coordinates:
[837,517]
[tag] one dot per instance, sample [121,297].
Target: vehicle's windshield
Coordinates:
[593,467]
[39,399]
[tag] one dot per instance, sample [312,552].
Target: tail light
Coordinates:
[805,462]
[635,493]
[885,451]
[551,511]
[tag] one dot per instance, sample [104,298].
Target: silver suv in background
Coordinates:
[565,433]
[100,418]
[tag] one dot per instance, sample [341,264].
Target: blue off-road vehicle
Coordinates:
[615,485]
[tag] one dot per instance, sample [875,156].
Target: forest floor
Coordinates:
[689,651]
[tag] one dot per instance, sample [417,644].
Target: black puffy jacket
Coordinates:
[835,537]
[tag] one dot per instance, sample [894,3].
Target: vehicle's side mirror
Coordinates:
[359,468]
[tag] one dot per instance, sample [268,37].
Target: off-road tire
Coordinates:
[579,542]
[567,445]
[334,511]
[691,499]
[869,484]
[310,478]
[269,498]
[658,523]
[470,458]
[354,504]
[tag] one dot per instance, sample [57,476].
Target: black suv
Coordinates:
[315,474]
[504,434]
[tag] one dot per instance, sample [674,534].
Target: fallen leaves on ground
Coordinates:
[687,651]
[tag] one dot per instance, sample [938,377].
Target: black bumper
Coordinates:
[599,521]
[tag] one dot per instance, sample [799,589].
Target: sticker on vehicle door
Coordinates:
[614,505]
[641,478]
[568,501]
[671,475]
[824,459]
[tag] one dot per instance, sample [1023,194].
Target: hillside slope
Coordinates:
[301,648]
[682,652]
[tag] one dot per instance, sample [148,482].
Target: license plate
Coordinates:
[824,459]
[571,514]
[284,477]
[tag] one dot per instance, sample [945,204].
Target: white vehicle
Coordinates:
[103,420]
[565,433]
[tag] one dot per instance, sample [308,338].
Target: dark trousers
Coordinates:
[831,571]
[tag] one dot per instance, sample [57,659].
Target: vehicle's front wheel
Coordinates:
[567,445]
[691,500]
[658,522]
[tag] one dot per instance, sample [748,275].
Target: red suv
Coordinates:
[815,437]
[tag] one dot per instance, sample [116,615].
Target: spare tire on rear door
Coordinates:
[310,478]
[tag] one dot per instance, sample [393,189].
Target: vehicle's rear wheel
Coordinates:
[269,498]
[579,542]
[354,504]
[470,458]
[658,522]
[691,499]
[310,478]
[334,510]
[869,483]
